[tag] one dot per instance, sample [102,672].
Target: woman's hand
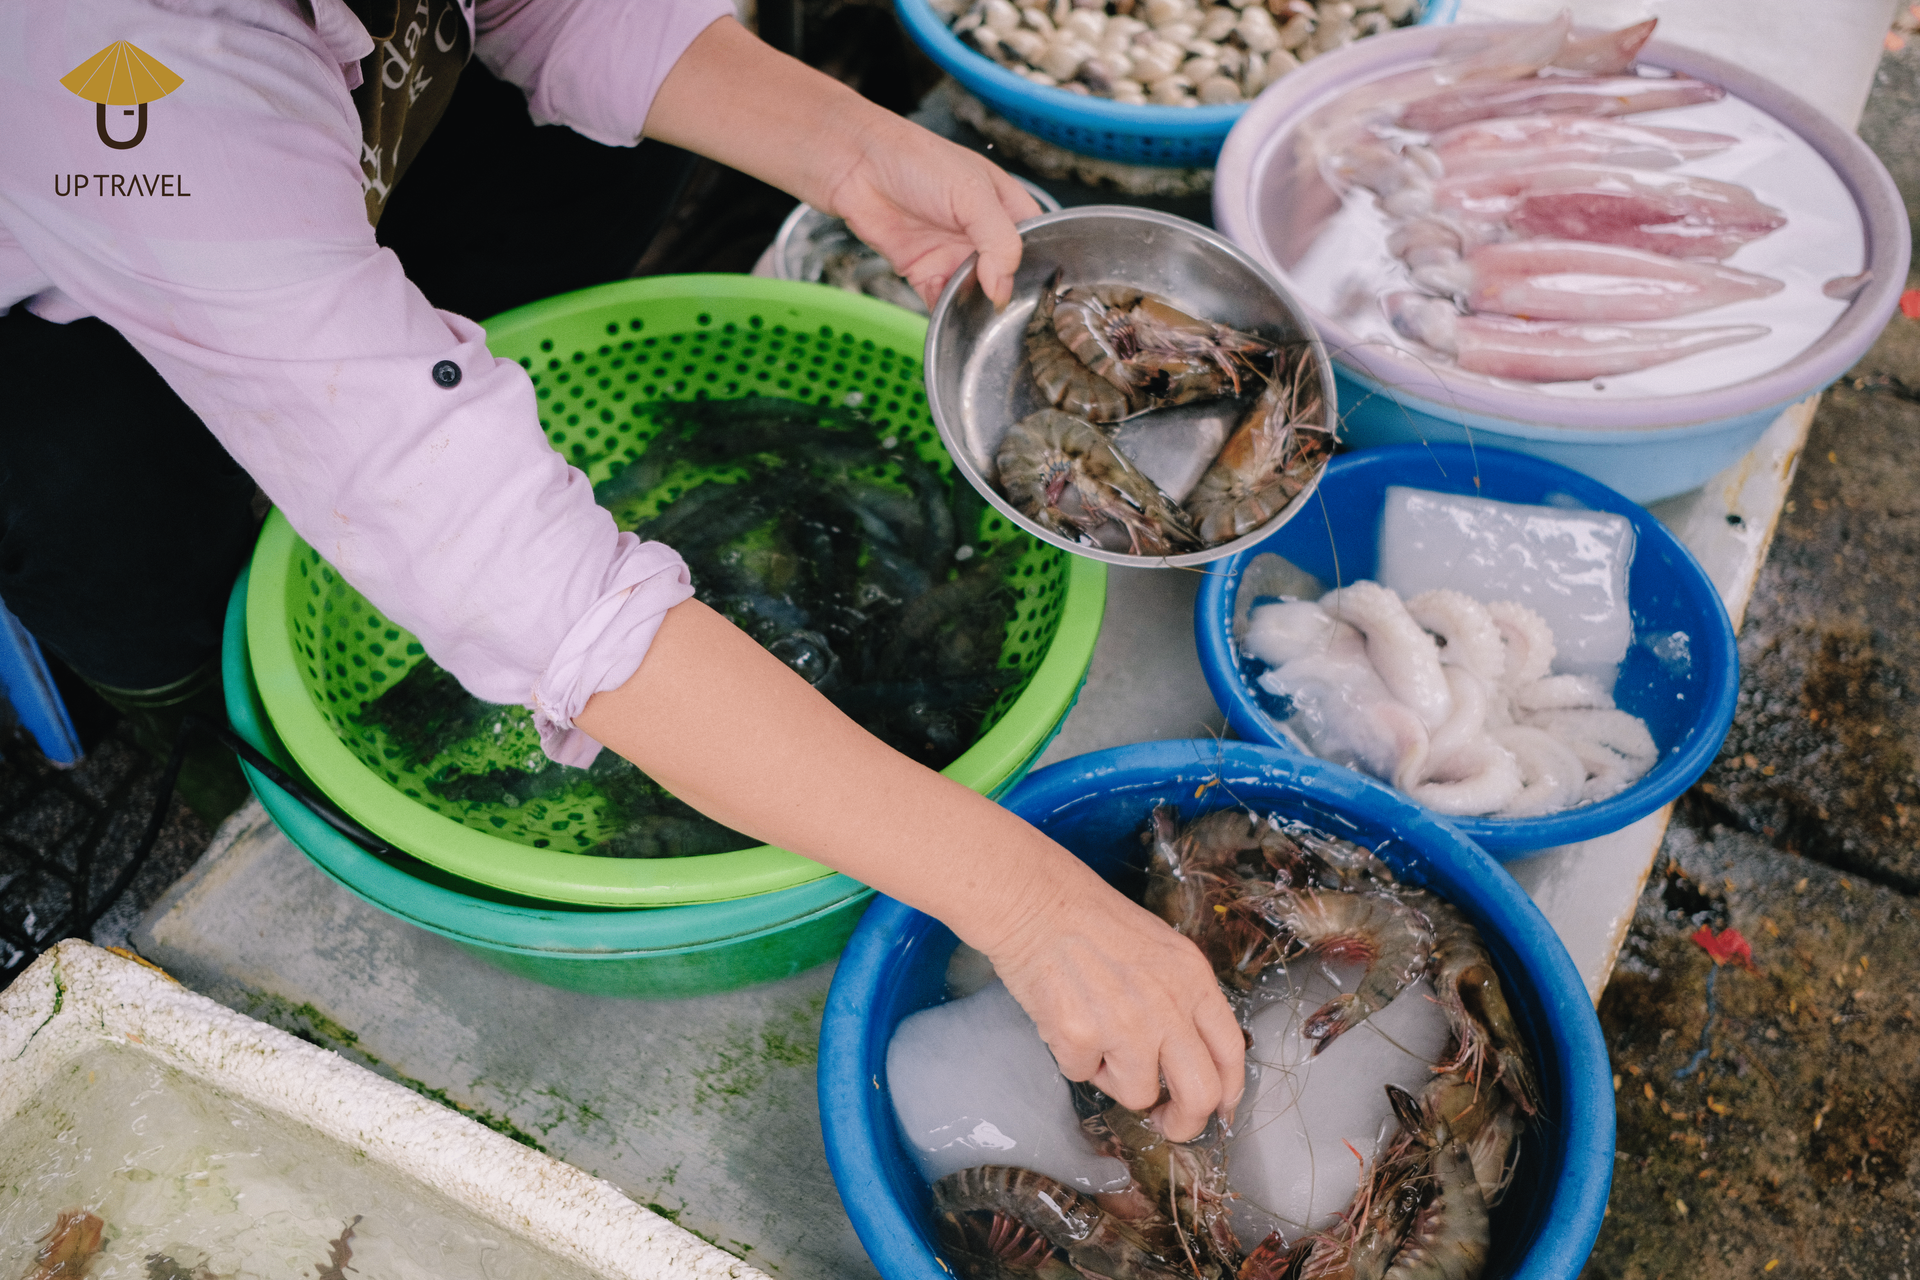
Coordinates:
[923,202]
[1125,1002]
[926,205]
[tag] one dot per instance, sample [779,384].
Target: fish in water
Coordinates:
[69,1247]
[838,548]
[339,1254]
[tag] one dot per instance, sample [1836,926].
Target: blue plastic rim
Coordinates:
[499,922]
[1167,136]
[1646,465]
[1688,711]
[1096,805]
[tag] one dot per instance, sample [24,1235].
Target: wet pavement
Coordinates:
[1769,1117]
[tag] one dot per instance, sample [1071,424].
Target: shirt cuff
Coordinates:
[606,646]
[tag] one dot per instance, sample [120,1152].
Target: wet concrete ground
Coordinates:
[1769,1118]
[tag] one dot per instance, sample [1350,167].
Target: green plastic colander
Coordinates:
[320,652]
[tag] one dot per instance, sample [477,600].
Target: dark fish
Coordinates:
[848,556]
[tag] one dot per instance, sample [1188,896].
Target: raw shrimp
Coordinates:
[1150,350]
[1560,95]
[1064,473]
[1193,883]
[1449,1236]
[1573,280]
[1340,705]
[1390,938]
[1527,351]
[1268,460]
[1466,631]
[1490,1150]
[1402,654]
[1552,777]
[1531,141]
[1363,1242]
[1469,992]
[1063,381]
[1179,1197]
[1094,1241]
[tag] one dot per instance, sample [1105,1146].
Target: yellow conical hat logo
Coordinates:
[121,75]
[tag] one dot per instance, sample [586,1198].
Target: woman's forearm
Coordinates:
[1120,998]
[728,728]
[737,100]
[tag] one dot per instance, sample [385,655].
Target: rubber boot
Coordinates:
[210,780]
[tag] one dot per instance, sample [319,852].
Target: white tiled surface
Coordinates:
[1146,683]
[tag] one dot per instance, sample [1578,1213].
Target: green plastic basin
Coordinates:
[638,952]
[319,652]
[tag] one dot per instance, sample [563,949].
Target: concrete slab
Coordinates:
[703,1110]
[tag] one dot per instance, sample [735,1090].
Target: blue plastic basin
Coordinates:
[1687,709]
[1180,137]
[1645,467]
[1096,805]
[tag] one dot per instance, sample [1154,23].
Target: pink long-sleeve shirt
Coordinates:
[232,248]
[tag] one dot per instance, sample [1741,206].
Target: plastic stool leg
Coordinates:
[31,690]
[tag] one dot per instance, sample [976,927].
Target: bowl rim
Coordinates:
[636,933]
[1883,219]
[1510,839]
[583,879]
[948,420]
[858,1154]
[977,72]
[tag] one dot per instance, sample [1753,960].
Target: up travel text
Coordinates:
[120,184]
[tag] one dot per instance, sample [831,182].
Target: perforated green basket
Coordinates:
[320,652]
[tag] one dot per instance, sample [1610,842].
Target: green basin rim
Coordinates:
[557,932]
[638,882]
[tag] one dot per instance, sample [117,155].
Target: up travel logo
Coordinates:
[124,76]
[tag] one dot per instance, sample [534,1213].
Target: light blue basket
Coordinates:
[1174,137]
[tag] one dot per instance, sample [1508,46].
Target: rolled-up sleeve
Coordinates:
[592,65]
[264,301]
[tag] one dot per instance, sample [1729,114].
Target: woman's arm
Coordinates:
[1120,998]
[922,201]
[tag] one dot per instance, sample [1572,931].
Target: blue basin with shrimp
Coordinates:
[1097,805]
[1681,673]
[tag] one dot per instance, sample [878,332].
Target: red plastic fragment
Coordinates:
[1910,304]
[1728,947]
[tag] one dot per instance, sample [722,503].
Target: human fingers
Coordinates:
[1130,1079]
[988,222]
[1226,1044]
[1194,1087]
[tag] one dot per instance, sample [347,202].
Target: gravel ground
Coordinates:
[1770,1117]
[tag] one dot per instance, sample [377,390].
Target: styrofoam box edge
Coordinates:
[78,997]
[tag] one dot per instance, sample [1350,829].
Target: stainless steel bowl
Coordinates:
[978,382]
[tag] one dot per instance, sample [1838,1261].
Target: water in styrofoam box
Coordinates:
[193,1183]
[1295,1159]
[1568,565]
[973,1084]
